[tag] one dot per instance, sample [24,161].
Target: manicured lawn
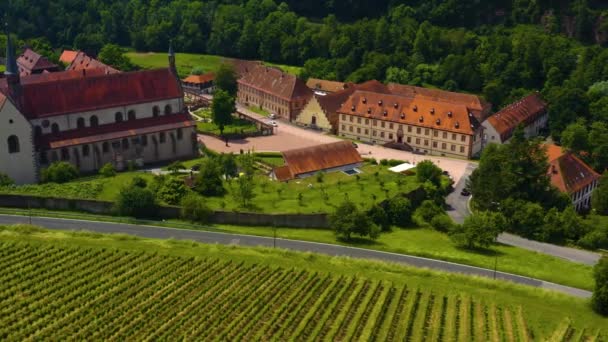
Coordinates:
[185,62]
[204,113]
[542,312]
[237,126]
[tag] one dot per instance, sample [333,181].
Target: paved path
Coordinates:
[248,240]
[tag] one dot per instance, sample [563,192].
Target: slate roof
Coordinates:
[567,172]
[276,82]
[119,130]
[318,158]
[417,111]
[325,86]
[30,62]
[525,111]
[97,92]
[83,62]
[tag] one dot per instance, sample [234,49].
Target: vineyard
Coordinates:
[51,292]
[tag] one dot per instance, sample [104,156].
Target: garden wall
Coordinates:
[167,212]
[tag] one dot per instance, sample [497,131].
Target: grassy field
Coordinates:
[187,61]
[237,126]
[66,285]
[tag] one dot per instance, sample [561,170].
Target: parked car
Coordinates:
[465,192]
[272,116]
[274,123]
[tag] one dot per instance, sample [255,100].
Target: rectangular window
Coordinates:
[358,120]
[453,147]
[390,125]
[351,119]
[343,127]
[390,136]
[445,135]
[434,144]
[358,130]
[350,128]
[85,150]
[426,131]
[144,140]
[463,138]
[443,146]
[426,142]
[409,140]
[180,134]
[343,117]
[375,123]
[418,130]
[409,129]
[435,133]
[382,124]
[163,137]
[381,134]
[366,131]
[461,149]
[374,133]
[453,136]
[367,121]
[417,141]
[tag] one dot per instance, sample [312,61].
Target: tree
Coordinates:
[59,172]
[222,109]
[479,230]
[5,180]
[428,210]
[229,165]
[399,210]
[379,216]
[208,181]
[599,299]
[574,137]
[136,202]
[194,209]
[107,170]
[244,191]
[225,79]
[172,191]
[175,167]
[114,56]
[426,170]
[599,198]
[348,220]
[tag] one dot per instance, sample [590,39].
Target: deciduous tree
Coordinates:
[222,109]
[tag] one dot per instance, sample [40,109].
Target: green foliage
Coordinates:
[139,182]
[175,167]
[225,79]
[197,70]
[5,180]
[244,191]
[348,220]
[59,172]
[379,216]
[426,170]
[222,108]
[136,202]
[320,175]
[194,209]
[246,163]
[107,170]
[113,55]
[427,211]
[479,230]
[442,223]
[399,210]
[599,198]
[574,137]
[172,191]
[229,165]
[208,181]
[599,300]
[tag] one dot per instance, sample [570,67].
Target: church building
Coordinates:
[90,118]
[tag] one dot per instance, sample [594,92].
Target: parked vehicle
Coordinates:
[274,123]
[272,116]
[465,192]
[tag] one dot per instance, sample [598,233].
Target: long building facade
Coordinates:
[90,119]
[419,124]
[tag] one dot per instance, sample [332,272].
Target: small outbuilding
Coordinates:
[200,84]
[305,162]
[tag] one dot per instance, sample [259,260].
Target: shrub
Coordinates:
[384,162]
[599,300]
[348,220]
[442,223]
[139,182]
[172,191]
[427,211]
[59,172]
[107,170]
[208,181]
[399,211]
[5,180]
[194,209]
[175,167]
[394,162]
[380,217]
[426,170]
[320,176]
[137,202]
[479,230]
[595,239]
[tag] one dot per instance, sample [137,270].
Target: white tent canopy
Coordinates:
[402,167]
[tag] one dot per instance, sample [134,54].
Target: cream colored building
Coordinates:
[314,115]
[418,124]
[90,119]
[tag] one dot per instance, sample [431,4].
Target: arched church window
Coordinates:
[13,144]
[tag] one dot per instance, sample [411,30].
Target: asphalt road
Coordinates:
[248,240]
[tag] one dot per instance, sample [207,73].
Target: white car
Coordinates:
[274,123]
[272,116]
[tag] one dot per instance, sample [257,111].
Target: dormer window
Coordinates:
[380,103]
[421,119]
[385,113]
[432,110]
[364,100]
[470,114]
[415,108]
[438,122]
[457,124]
[402,116]
[450,114]
[352,108]
[396,105]
[369,110]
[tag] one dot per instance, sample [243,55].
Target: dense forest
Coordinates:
[502,49]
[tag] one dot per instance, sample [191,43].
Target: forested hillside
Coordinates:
[502,49]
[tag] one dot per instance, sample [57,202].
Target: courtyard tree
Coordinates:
[599,300]
[380,217]
[348,220]
[222,109]
[426,170]
[479,230]
[225,79]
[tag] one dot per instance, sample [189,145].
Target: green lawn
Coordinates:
[543,311]
[187,61]
[259,110]
[237,126]
[204,113]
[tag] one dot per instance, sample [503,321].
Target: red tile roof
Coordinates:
[116,131]
[93,93]
[318,158]
[325,86]
[525,111]
[31,62]
[418,111]
[199,79]
[276,82]
[474,103]
[567,172]
[243,66]
[61,75]
[68,56]
[84,62]
[283,173]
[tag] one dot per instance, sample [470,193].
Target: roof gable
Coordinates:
[276,82]
[524,111]
[199,79]
[93,93]
[320,157]
[83,62]
[568,173]
[68,56]
[324,85]
[30,62]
